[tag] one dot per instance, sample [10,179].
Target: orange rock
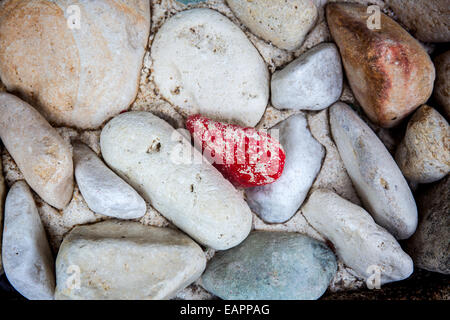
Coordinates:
[389,71]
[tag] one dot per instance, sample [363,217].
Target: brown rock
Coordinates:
[388,70]
[424,154]
[428,20]
[430,245]
[442,84]
[75,76]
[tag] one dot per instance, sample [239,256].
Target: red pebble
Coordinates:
[245,156]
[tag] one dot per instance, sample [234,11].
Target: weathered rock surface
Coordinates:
[91,56]
[175,178]
[375,175]
[203,63]
[43,157]
[2,204]
[105,192]
[428,20]
[424,154]
[27,258]
[311,82]
[285,24]
[430,245]
[389,71]
[126,260]
[359,241]
[442,84]
[271,266]
[279,201]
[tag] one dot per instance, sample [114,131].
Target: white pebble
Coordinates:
[363,245]
[311,82]
[27,258]
[203,63]
[279,201]
[105,192]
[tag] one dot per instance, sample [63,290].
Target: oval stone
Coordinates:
[375,175]
[143,149]
[124,260]
[271,266]
[27,258]
[104,191]
[203,63]
[79,64]
[363,245]
[424,154]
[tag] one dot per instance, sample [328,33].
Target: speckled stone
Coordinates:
[424,154]
[430,245]
[375,175]
[283,23]
[271,266]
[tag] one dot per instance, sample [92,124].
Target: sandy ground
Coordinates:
[332,174]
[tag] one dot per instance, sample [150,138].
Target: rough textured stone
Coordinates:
[427,20]
[27,258]
[105,192]
[285,24]
[424,154]
[358,240]
[389,71]
[82,76]
[42,156]
[375,175]
[311,82]
[271,266]
[2,203]
[126,260]
[174,177]
[430,245]
[279,201]
[203,63]
[442,84]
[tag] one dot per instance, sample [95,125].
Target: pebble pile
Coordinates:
[140,212]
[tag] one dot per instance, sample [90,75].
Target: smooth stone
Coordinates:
[430,245]
[104,191]
[358,240]
[311,82]
[203,63]
[81,77]
[377,179]
[424,154]
[428,20]
[442,84]
[389,71]
[284,24]
[27,258]
[123,260]
[163,166]
[42,155]
[279,201]
[2,206]
[271,266]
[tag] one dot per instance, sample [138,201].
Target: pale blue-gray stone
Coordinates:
[271,266]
